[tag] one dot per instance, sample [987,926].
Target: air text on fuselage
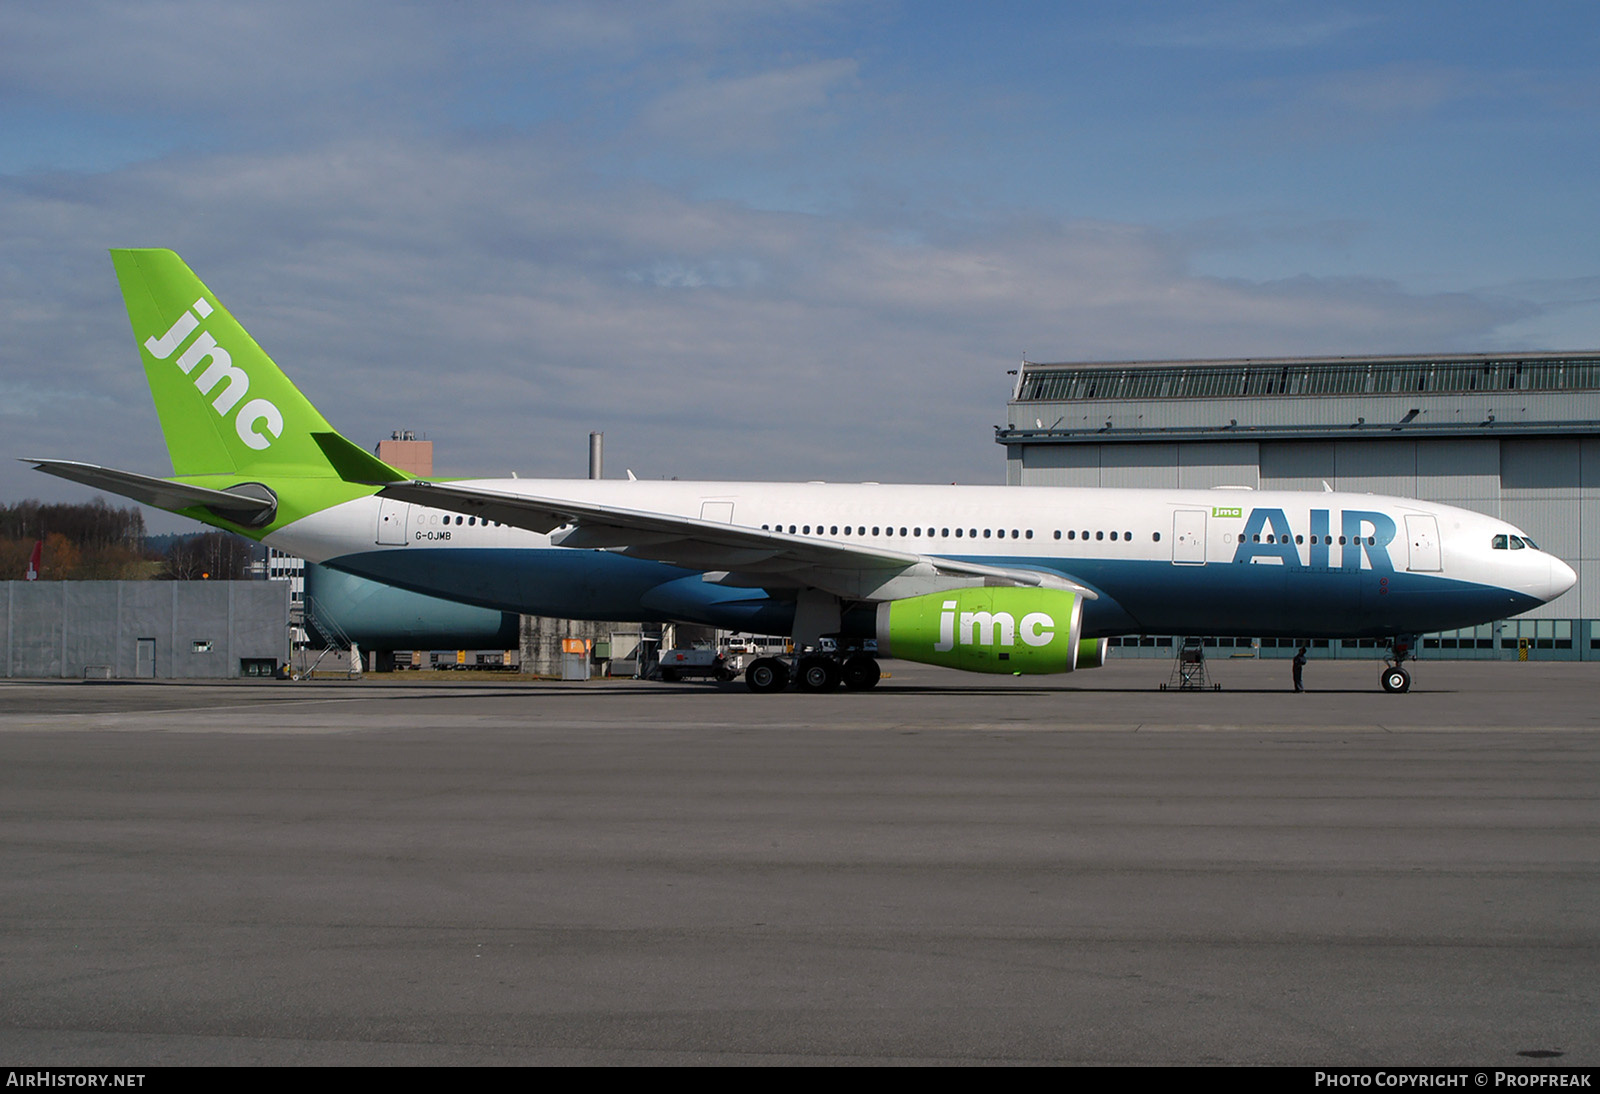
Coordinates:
[1361,543]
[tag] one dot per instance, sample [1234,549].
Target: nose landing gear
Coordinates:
[1395,678]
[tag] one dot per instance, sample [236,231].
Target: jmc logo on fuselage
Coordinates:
[985,629]
[258,422]
[1362,540]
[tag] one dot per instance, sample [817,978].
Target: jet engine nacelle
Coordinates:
[1092,653]
[991,629]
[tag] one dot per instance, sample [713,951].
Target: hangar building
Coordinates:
[1515,436]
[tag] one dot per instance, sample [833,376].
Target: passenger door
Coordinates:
[1189,537]
[1423,534]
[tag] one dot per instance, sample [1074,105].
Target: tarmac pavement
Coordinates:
[948,869]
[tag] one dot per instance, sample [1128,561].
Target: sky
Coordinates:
[787,240]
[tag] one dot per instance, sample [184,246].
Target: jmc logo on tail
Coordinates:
[258,422]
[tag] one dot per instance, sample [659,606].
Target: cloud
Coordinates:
[471,291]
[504,225]
[757,111]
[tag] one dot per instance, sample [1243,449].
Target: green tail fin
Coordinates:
[225,407]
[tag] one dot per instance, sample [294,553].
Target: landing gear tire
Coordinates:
[818,674]
[861,672]
[767,674]
[1396,680]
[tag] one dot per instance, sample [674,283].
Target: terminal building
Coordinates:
[1516,436]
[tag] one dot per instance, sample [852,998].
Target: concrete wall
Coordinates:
[176,630]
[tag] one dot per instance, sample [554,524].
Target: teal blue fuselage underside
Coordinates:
[1136,597]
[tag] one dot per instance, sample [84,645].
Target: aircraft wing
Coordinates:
[739,555]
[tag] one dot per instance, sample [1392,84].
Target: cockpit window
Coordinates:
[1516,543]
[1499,543]
[1530,543]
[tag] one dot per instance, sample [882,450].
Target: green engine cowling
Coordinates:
[998,629]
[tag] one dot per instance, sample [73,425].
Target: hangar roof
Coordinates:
[1257,377]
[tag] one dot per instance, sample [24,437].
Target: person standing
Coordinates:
[1299,667]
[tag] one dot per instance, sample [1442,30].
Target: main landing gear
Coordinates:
[814,672]
[1395,678]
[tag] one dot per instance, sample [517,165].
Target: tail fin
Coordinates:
[225,407]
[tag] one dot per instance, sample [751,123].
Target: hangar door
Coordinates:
[1423,534]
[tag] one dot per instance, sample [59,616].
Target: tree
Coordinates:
[212,556]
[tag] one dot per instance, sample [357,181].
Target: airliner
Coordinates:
[998,579]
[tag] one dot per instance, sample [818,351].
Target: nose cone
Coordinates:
[1562,578]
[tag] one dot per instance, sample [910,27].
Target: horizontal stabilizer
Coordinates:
[161,493]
